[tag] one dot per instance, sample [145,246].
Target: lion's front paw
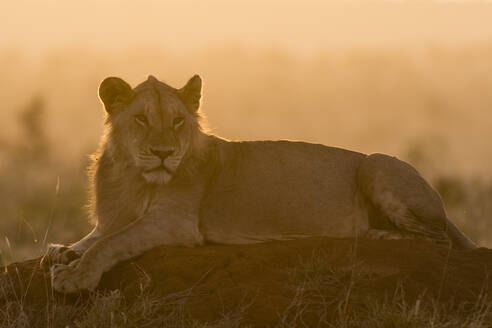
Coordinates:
[58,254]
[71,278]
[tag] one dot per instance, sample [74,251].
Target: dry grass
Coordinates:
[111,309]
[324,297]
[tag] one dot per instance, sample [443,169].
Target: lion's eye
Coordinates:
[177,122]
[141,119]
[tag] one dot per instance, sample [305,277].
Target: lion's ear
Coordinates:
[191,93]
[113,91]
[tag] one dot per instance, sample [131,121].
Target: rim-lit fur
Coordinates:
[122,165]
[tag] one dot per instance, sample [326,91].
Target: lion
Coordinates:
[158,178]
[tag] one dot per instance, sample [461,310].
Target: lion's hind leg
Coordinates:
[402,199]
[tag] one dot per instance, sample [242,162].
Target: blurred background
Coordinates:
[408,78]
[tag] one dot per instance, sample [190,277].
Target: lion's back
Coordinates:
[278,190]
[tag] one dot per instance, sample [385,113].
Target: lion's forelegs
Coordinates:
[82,245]
[62,254]
[138,237]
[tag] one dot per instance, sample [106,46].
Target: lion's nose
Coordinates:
[161,153]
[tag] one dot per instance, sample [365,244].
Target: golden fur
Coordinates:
[158,178]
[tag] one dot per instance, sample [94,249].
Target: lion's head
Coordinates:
[152,126]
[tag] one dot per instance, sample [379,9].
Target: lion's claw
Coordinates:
[58,254]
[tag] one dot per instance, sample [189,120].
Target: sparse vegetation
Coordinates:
[42,199]
[112,309]
[323,297]
[327,297]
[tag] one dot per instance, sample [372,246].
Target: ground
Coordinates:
[312,281]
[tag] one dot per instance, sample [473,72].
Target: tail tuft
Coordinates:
[458,239]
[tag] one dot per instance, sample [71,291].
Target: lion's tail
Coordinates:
[457,238]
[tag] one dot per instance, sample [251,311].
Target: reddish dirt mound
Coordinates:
[263,275]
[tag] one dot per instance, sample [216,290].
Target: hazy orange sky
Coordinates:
[297,25]
[427,62]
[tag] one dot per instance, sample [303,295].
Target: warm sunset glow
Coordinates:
[297,25]
[426,61]
[245,163]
